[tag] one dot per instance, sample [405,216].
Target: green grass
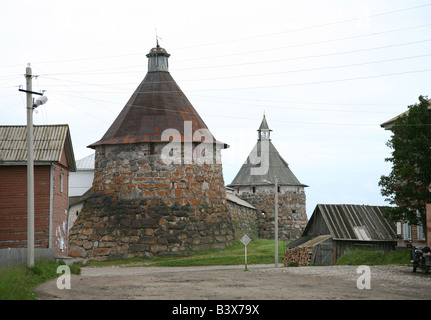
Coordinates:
[19,282]
[259,251]
[374,257]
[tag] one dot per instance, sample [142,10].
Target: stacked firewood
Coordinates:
[299,256]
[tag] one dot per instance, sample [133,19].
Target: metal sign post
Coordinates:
[245,241]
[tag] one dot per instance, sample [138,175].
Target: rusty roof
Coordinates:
[49,142]
[354,222]
[157,104]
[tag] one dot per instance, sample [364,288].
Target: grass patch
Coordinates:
[259,251]
[374,257]
[19,282]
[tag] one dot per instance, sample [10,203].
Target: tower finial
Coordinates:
[157,38]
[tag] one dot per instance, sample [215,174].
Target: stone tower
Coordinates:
[158,186]
[255,183]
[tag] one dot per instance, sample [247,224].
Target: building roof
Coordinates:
[157,104]
[230,196]
[276,165]
[387,125]
[264,125]
[49,142]
[353,222]
[86,163]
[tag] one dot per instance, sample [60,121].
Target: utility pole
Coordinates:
[30,161]
[276,222]
[30,170]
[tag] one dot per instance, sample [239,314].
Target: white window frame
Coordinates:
[407,231]
[420,228]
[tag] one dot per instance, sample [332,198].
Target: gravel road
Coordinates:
[261,282]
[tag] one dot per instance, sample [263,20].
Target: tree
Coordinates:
[406,187]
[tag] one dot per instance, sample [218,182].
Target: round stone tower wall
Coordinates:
[141,206]
[292,217]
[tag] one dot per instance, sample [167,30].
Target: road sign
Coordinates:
[245,240]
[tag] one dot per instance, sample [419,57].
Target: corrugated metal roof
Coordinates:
[86,163]
[355,222]
[49,141]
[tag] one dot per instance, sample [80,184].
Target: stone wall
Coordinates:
[114,229]
[244,220]
[289,199]
[142,207]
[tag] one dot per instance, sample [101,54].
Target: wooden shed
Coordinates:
[333,229]
[53,160]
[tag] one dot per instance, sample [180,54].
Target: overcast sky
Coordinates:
[325,73]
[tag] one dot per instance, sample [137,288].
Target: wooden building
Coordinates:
[333,229]
[53,160]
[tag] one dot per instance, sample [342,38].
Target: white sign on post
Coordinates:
[245,241]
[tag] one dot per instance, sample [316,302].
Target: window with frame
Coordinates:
[407,231]
[420,228]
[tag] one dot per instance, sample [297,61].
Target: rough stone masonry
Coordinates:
[141,207]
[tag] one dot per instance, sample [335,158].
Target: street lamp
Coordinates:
[30,159]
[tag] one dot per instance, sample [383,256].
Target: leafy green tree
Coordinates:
[406,187]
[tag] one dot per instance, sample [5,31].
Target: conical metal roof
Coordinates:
[270,164]
[277,167]
[157,104]
[264,125]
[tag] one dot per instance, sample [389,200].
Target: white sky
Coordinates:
[326,74]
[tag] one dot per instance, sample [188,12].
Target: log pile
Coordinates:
[300,256]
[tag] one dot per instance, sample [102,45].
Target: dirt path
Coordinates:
[260,282]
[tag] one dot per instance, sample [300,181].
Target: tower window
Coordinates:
[253,189]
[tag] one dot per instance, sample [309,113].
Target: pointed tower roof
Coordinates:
[277,166]
[264,124]
[157,104]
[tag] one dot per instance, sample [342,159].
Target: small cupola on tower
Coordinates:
[158,59]
[263,132]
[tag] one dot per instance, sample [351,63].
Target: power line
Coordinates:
[237,39]
[251,75]
[306,28]
[272,86]
[318,82]
[310,56]
[304,44]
